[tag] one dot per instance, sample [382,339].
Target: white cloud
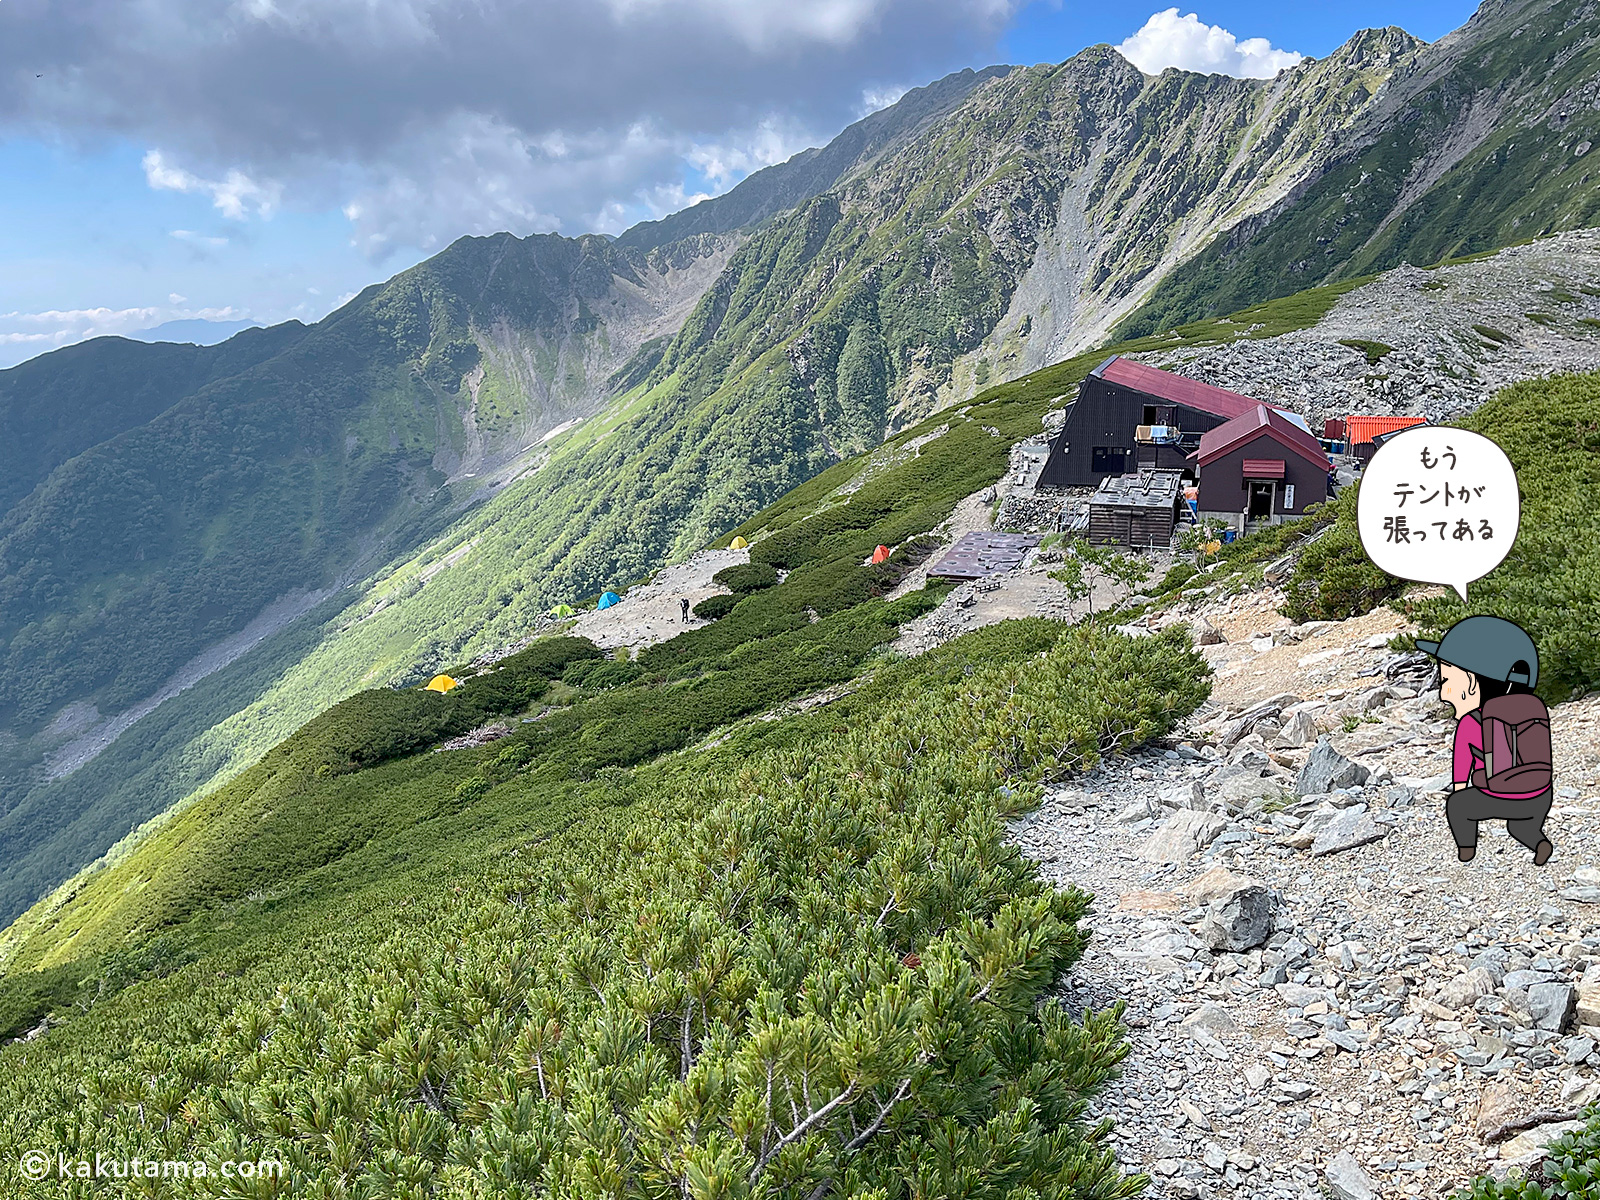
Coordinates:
[53,328]
[762,24]
[875,98]
[1170,40]
[231,195]
[427,119]
[197,239]
[174,298]
[726,162]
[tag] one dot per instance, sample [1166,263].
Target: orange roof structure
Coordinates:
[1364,429]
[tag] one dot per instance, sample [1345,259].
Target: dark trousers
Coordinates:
[1524,818]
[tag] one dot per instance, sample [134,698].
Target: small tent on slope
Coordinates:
[881,554]
[563,610]
[441,683]
[738,543]
[609,599]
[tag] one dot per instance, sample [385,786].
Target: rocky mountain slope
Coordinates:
[1478,141]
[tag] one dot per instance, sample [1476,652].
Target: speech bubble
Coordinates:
[1439,505]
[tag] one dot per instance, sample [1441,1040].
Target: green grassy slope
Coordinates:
[450,1013]
[1504,94]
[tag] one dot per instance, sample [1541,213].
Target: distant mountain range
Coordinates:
[624,400]
[197,331]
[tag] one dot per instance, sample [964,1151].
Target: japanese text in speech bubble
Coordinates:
[1439,505]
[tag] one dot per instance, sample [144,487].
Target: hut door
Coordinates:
[1260,499]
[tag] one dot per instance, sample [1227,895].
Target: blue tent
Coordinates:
[609,599]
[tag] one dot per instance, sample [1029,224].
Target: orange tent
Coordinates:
[881,554]
[441,683]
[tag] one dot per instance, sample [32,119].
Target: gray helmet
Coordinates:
[1487,646]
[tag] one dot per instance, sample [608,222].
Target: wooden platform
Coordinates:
[979,554]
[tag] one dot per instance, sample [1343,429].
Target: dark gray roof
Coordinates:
[1143,489]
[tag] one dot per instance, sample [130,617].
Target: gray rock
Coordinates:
[1326,769]
[1575,1049]
[1133,812]
[1300,731]
[1524,979]
[1552,1005]
[1256,1076]
[1465,988]
[1205,633]
[1238,786]
[1351,828]
[1346,1179]
[1212,1018]
[1343,1039]
[1190,793]
[1584,894]
[1240,921]
[1493,961]
[1183,834]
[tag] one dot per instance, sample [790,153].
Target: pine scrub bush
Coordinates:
[813,970]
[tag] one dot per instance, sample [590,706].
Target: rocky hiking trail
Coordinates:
[1322,999]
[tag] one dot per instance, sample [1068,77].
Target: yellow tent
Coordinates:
[738,543]
[441,683]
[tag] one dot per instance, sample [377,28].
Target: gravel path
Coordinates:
[1353,1049]
[651,612]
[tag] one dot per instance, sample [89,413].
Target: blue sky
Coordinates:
[266,159]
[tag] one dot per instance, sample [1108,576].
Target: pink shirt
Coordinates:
[1469,737]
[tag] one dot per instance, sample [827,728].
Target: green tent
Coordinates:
[563,610]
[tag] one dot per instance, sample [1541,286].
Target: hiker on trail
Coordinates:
[684,604]
[1488,668]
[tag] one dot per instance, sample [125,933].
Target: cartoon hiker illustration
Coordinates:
[1488,668]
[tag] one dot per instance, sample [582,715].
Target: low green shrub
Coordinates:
[714,608]
[809,970]
[1375,351]
[1334,578]
[743,578]
[1571,1170]
[1550,582]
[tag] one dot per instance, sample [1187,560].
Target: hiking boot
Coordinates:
[1466,853]
[1542,853]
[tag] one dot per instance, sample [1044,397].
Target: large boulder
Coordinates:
[1326,769]
[1205,633]
[1465,988]
[1347,1180]
[1241,920]
[1240,787]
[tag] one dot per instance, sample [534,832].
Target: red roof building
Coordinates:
[1129,417]
[1260,466]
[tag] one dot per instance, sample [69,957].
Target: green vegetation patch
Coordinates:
[1375,351]
[837,926]
[1491,333]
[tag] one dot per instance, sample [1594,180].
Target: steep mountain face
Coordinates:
[1478,141]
